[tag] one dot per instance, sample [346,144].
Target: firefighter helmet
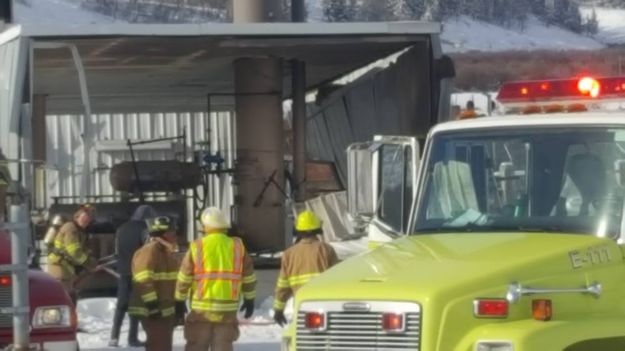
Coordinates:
[307,221]
[213,218]
[160,225]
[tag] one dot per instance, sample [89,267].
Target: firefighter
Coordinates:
[215,273]
[154,271]
[70,254]
[129,238]
[305,260]
[469,112]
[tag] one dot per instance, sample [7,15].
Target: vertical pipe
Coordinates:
[39,141]
[19,253]
[299,129]
[298,87]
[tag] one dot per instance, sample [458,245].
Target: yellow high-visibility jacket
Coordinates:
[300,263]
[154,271]
[70,250]
[215,273]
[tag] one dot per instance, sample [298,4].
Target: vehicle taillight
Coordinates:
[5,281]
[542,310]
[589,86]
[490,308]
[393,322]
[315,321]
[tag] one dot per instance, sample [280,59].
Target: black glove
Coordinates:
[181,311]
[248,307]
[278,317]
[78,270]
[153,310]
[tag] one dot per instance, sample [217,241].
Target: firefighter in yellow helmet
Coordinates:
[305,260]
[69,254]
[215,273]
[154,271]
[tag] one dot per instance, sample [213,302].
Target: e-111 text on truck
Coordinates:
[515,243]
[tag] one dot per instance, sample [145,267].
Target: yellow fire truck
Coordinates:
[514,239]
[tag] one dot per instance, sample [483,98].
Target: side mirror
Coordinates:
[360,183]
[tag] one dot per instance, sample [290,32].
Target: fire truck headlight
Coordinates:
[494,346]
[52,317]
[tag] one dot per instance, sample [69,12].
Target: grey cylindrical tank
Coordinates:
[155,176]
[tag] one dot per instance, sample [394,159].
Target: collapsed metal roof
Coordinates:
[175,67]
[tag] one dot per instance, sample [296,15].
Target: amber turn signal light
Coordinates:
[542,310]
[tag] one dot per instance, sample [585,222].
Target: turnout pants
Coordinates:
[213,336]
[123,296]
[159,333]
[65,278]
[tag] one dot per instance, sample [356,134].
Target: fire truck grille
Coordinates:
[6,320]
[358,331]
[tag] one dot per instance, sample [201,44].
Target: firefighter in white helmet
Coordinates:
[215,274]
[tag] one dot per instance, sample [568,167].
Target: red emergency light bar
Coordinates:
[561,90]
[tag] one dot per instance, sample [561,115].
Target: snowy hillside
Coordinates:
[611,24]
[459,34]
[49,12]
[466,34]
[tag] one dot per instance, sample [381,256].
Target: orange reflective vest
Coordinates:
[214,274]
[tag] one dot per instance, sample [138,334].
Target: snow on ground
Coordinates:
[611,24]
[465,34]
[95,318]
[53,12]
[95,315]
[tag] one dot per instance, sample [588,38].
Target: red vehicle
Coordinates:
[52,314]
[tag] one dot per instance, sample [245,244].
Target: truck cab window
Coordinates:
[540,180]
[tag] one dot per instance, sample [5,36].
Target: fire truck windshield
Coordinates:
[541,179]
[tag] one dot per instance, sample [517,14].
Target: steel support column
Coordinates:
[259,174]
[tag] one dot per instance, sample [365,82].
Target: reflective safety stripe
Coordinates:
[137,311]
[199,266]
[301,279]
[142,311]
[283,283]
[170,311]
[249,279]
[180,296]
[279,305]
[151,296]
[249,295]
[72,248]
[218,276]
[238,267]
[184,278]
[214,306]
[144,276]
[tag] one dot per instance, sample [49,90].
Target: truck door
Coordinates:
[382,176]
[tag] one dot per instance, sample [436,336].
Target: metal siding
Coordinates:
[64,149]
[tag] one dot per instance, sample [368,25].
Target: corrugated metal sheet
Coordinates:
[393,101]
[110,132]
